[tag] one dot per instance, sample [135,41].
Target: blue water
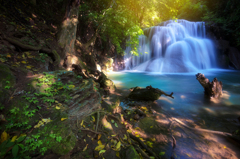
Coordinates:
[191,106]
[189,100]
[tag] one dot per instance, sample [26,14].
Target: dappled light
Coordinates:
[183,97]
[166,99]
[119,79]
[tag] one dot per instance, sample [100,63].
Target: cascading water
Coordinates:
[177,46]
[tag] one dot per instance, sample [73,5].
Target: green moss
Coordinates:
[106,83]
[130,153]
[150,126]
[59,129]
[17,115]
[56,57]
[7,81]
[144,94]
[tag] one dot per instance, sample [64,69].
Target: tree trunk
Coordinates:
[211,89]
[67,34]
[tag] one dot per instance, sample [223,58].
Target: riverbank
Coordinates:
[192,108]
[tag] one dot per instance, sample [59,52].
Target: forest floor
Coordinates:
[120,129]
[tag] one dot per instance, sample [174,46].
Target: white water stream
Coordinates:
[177,46]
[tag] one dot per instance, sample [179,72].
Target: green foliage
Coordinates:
[225,14]
[192,10]
[7,87]
[7,144]
[42,57]
[120,20]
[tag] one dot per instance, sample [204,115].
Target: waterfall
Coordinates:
[173,46]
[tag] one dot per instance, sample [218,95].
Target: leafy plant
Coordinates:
[15,110]
[7,87]
[12,145]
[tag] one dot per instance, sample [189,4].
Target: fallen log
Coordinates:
[211,89]
[147,94]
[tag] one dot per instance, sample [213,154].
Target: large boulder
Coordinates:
[51,106]
[79,96]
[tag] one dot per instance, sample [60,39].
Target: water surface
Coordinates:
[192,107]
[189,100]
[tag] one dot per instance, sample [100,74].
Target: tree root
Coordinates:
[98,116]
[143,145]
[203,130]
[195,129]
[29,47]
[21,45]
[140,151]
[168,95]
[90,131]
[174,142]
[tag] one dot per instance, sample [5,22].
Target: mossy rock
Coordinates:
[106,83]
[130,153]
[60,129]
[18,119]
[7,81]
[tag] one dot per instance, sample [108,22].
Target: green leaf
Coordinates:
[162,153]
[102,151]
[9,144]
[15,150]
[20,139]
[116,124]
[21,145]
[3,144]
